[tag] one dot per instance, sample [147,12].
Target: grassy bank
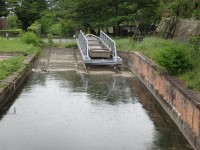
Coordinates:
[16,45]
[9,66]
[150,47]
[176,58]
[27,43]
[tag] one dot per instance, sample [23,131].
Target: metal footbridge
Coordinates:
[98,50]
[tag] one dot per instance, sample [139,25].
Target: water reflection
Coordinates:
[168,136]
[74,111]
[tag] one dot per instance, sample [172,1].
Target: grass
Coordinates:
[192,78]
[153,47]
[71,45]
[125,44]
[149,46]
[14,64]
[9,66]
[16,45]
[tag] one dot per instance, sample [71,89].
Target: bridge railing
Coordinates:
[83,44]
[110,43]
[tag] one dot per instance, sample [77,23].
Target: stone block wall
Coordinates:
[178,29]
[182,105]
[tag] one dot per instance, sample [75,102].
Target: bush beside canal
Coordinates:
[174,57]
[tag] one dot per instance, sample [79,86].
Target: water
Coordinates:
[69,111]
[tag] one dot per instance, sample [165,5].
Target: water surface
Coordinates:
[70,111]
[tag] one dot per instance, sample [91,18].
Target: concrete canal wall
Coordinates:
[182,105]
[14,82]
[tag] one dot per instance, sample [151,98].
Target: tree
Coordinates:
[12,22]
[3,10]
[28,11]
[179,8]
[95,14]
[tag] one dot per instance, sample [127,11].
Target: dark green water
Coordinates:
[69,111]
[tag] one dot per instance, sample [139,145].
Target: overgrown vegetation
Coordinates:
[9,66]
[31,38]
[71,45]
[192,78]
[28,43]
[176,58]
[125,44]
[17,45]
[151,47]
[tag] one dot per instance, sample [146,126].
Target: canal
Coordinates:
[66,110]
[70,110]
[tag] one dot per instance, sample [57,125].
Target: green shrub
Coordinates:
[174,60]
[31,38]
[57,29]
[35,28]
[12,21]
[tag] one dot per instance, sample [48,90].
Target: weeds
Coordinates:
[16,46]
[126,44]
[175,57]
[71,45]
[9,66]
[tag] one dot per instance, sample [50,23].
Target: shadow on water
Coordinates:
[169,134]
[4,110]
[114,90]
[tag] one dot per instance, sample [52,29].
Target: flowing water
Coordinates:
[71,111]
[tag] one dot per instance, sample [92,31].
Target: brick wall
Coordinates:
[182,105]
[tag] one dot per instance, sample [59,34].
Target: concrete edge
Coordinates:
[190,96]
[15,81]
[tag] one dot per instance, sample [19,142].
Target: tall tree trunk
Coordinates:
[99,31]
[92,31]
[114,31]
[25,25]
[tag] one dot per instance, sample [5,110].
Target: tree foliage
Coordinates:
[3,10]
[180,8]
[95,14]
[28,11]
[92,15]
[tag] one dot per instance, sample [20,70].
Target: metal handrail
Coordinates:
[110,43]
[83,43]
